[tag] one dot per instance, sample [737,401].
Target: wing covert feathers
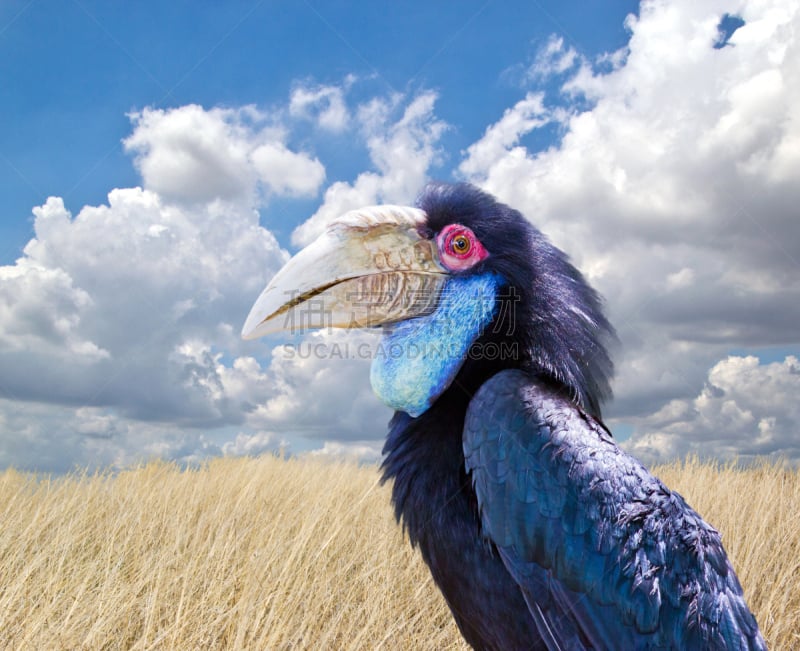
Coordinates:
[606,556]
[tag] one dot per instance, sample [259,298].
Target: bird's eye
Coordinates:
[459,248]
[460,244]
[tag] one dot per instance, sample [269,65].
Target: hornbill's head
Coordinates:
[462,285]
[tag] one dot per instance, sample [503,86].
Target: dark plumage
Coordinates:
[539,531]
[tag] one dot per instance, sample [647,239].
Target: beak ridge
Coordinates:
[371,266]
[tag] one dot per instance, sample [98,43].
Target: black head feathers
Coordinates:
[558,319]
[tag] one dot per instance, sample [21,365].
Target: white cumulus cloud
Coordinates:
[111,316]
[323,104]
[402,150]
[318,388]
[192,154]
[119,325]
[96,305]
[674,186]
[363,451]
[745,409]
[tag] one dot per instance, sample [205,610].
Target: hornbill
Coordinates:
[539,531]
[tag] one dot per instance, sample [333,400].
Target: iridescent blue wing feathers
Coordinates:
[605,555]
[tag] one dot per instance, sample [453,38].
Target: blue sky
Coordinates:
[667,169]
[71,73]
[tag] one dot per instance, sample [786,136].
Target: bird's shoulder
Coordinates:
[567,508]
[538,430]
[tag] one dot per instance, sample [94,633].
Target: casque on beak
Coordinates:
[370,267]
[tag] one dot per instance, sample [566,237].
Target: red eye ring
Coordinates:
[459,248]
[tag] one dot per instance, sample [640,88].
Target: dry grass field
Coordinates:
[295,554]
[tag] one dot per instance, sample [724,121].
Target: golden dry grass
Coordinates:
[295,554]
